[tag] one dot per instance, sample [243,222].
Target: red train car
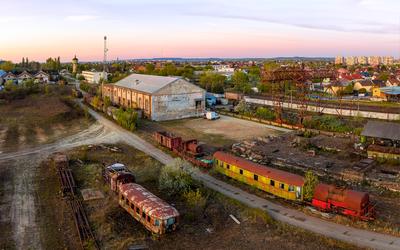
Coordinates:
[343,201]
[189,150]
[168,140]
[155,214]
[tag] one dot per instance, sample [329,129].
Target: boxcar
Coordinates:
[155,214]
[168,140]
[280,183]
[343,201]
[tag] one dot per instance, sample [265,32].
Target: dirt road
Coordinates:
[18,202]
[355,236]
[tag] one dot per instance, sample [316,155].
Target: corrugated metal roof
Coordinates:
[146,83]
[384,130]
[147,201]
[395,90]
[275,174]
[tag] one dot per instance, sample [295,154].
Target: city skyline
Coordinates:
[200,29]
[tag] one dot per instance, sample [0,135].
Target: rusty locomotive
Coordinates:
[190,150]
[155,214]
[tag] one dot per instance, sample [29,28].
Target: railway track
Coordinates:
[345,104]
[68,187]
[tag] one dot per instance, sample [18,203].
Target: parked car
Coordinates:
[211,115]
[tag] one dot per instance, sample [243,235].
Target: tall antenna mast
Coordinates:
[105,55]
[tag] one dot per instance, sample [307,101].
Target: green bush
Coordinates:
[265,113]
[327,123]
[242,108]
[174,178]
[127,118]
[195,199]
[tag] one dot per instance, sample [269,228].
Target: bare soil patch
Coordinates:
[218,133]
[38,119]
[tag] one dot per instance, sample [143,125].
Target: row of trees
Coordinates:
[51,64]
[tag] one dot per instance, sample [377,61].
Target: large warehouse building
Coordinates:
[160,98]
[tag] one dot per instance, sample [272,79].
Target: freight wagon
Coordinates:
[189,150]
[343,201]
[291,186]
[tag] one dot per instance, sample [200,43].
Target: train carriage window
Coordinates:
[137,210]
[241,171]
[143,214]
[282,186]
[126,201]
[156,223]
[148,219]
[291,188]
[122,197]
[228,166]
[132,206]
[256,177]
[272,183]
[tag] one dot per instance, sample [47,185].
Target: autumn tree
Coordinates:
[311,181]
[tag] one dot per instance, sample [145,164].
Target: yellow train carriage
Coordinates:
[277,182]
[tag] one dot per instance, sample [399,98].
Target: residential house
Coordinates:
[392,82]
[368,85]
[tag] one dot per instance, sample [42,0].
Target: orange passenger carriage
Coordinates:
[155,214]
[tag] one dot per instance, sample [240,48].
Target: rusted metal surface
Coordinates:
[148,202]
[190,150]
[351,199]
[152,212]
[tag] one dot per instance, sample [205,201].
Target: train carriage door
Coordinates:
[298,193]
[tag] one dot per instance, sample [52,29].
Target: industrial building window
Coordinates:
[241,171]
[282,186]
[291,188]
[146,105]
[256,177]
[198,104]
[272,183]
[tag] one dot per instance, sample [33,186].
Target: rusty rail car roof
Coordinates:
[275,174]
[353,199]
[149,203]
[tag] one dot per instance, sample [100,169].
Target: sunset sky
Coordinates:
[205,28]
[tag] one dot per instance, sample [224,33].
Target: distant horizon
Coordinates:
[192,58]
[198,29]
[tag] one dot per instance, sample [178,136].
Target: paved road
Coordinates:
[355,236]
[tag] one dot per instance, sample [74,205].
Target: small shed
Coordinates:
[382,130]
